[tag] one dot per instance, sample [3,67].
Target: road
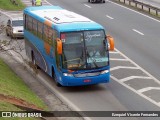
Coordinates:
[132,88]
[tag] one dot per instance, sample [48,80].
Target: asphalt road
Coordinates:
[132,88]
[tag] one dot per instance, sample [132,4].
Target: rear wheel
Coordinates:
[104,1]
[88,0]
[34,61]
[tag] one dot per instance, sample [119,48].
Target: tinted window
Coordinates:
[17,23]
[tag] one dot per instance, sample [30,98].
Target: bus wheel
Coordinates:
[34,61]
[54,77]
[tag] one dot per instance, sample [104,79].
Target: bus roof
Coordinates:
[62,19]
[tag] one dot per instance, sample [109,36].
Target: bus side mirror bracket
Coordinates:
[59,46]
[111,42]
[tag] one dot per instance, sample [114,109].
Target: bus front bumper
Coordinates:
[80,81]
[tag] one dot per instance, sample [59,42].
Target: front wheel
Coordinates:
[54,77]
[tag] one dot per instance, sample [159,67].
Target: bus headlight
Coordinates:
[67,74]
[104,71]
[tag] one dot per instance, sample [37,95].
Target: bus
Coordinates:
[69,47]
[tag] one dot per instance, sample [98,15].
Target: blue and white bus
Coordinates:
[69,47]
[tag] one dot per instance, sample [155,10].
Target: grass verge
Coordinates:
[13,86]
[8,5]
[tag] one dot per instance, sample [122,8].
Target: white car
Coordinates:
[92,1]
[15,27]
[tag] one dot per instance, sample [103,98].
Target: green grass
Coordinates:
[13,85]
[7,5]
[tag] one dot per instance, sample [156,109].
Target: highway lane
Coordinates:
[112,96]
[104,97]
[130,31]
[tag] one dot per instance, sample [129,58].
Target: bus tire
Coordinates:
[34,61]
[53,76]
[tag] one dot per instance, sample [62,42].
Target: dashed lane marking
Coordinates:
[137,31]
[87,6]
[109,17]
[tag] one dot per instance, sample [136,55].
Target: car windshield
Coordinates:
[84,50]
[17,23]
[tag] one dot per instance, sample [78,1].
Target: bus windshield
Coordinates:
[84,50]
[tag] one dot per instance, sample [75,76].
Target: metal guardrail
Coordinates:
[154,10]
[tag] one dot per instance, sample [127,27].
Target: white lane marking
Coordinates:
[140,94]
[133,77]
[148,88]
[156,80]
[137,31]
[87,6]
[48,2]
[122,67]
[109,17]
[116,59]
[134,11]
[113,52]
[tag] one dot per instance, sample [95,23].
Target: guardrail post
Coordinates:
[136,5]
[157,12]
[129,2]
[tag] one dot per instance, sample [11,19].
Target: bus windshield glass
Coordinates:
[84,50]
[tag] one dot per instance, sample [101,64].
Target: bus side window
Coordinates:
[34,27]
[45,33]
[40,29]
[29,23]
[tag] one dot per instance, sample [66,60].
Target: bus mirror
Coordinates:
[111,42]
[59,46]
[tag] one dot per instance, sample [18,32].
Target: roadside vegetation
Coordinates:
[14,92]
[9,5]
